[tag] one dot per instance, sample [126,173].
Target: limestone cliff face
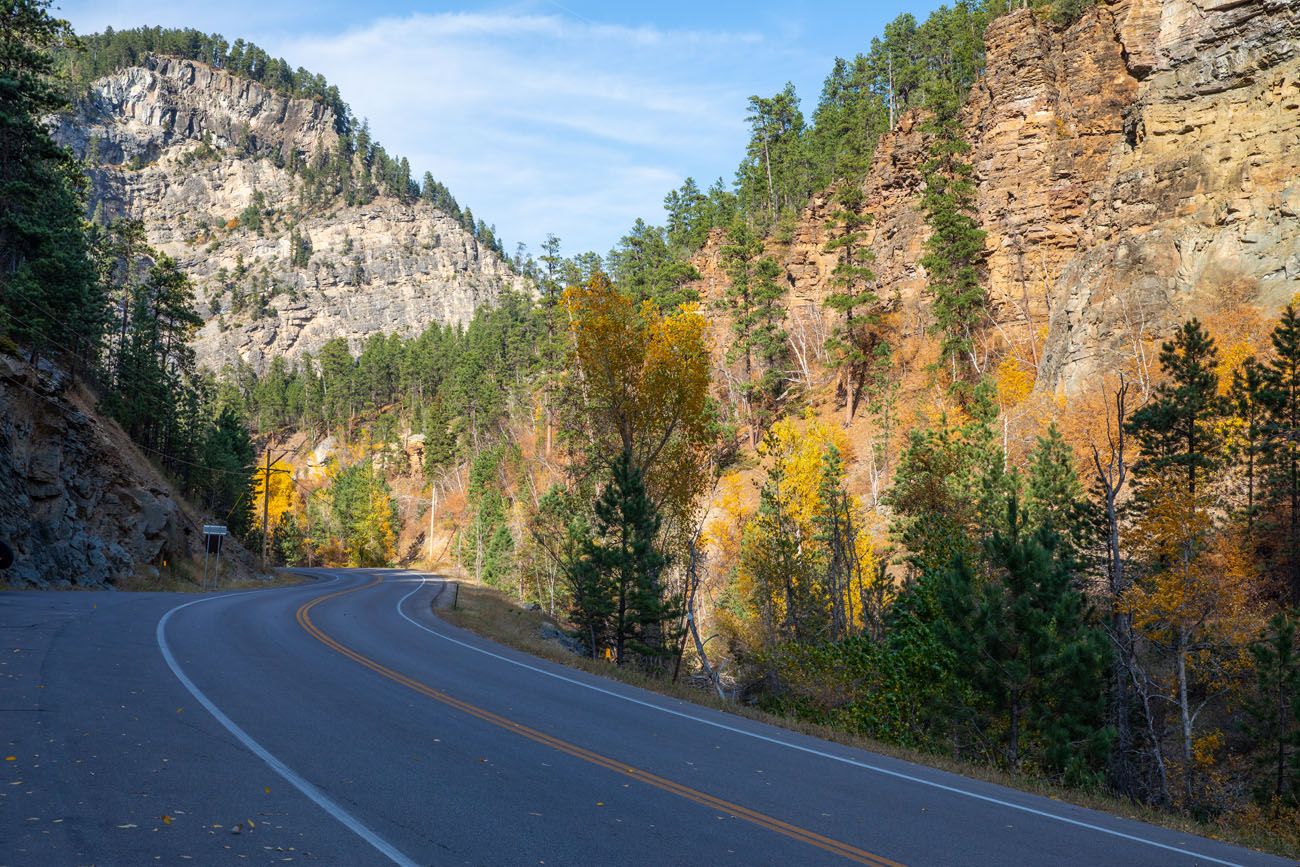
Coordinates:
[1137,169]
[188,149]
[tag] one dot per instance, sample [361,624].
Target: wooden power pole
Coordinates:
[266,505]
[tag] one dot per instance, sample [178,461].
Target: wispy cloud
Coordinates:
[544,122]
[540,117]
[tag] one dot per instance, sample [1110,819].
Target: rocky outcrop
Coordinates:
[199,155]
[1137,169]
[137,114]
[75,506]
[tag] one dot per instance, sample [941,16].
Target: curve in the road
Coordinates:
[351,629]
[815,752]
[289,775]
[803,835]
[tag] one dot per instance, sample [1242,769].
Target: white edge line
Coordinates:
[811,751]
[290,776]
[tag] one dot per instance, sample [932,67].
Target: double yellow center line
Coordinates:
[803,835]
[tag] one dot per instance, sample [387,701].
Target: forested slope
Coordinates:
[965,418]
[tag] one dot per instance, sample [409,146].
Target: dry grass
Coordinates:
[186,576]
[494,615]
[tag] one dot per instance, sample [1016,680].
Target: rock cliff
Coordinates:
[1139,168]
[78,503]
[198,154]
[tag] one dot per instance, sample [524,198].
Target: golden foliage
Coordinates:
[640,383]
[1230,359]
[1207,585]
[1014,382]
[284,499]
[783,554]
[799,446]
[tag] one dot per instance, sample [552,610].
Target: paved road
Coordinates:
[340,722]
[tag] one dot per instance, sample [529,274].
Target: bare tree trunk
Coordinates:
[1111,476]
[1157,744]
[1185,712]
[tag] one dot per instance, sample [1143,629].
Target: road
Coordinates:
[341,722]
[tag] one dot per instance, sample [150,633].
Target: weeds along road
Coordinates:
[340,722]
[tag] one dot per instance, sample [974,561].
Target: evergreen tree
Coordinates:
[1178,429]
[1274,713]
[1055,499]
[1283,430]
[775,175]
[753,301]
[1249,444]
[228,457]
[688,217]
[1024,641]
[619,578]
[855,343]
[50,298]
[646,267]
[955,248]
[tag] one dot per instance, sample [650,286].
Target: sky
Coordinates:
[571,118]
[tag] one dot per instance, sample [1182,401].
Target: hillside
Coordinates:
[228,177]
[80,504]
[967,418]
[1132,171]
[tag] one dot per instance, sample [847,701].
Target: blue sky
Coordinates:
[574,118]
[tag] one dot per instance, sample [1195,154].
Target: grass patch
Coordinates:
[493,614]
[186,576]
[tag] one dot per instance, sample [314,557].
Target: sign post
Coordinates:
[213,534]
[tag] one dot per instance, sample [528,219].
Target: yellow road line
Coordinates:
[763,820]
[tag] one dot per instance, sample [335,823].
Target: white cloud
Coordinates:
[544,123]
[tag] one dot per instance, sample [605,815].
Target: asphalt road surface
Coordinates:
[341,722]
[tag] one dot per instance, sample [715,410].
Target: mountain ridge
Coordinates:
[225,174]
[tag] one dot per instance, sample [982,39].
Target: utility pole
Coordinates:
[266,505]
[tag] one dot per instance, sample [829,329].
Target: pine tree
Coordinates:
[1283,430]
[1178,429]
[439,441]
[228,457]
[1248,443]
[49,295]
[618,586]
[1055,498]
[753,301]
[1274,713]
[1025,640]
[955,248]
[854,344]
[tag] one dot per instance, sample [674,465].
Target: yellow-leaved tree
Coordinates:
[277,500]
[806,570]
[1196,613]
[639,385]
